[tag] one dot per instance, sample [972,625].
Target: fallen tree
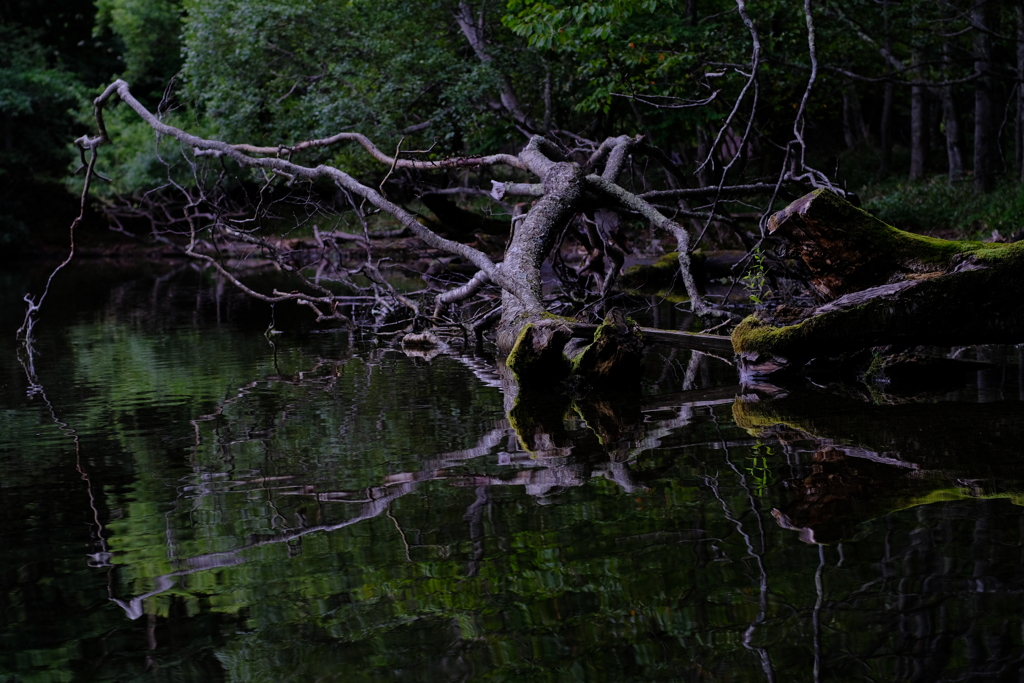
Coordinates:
[541,348]
[560,189]
[883,289]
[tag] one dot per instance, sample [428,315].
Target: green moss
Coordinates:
[613,356]
[539,363]
[876,368]
[660,278]
[948,308]
[666,265]
[754,334]
[949,495]
[879,239]
[561,318]
[515,356]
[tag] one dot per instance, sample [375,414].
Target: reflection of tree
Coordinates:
[867,460]
[554,471]
[287,527]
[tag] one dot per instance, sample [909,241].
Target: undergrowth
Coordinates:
[935,207]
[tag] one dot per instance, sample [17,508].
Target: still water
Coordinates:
[186,497]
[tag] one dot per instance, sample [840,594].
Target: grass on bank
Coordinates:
[934,207]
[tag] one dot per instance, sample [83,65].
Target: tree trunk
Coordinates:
[538,348]
[848,135]
[885,126]
[1019,128]
[473,30]
[703,149]
[954,153]
[855,129]
[984,135]
[918,121]
[886,132]
[884,287]
[869,459]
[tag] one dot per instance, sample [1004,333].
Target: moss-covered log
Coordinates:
[884,287]
[662,277]
[547,352]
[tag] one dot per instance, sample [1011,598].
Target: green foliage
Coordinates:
[283,72]
[755,281]
[137,161]
[759,468]
[615,47]
[933,206]
[150,32]
[36,102]
[203,452]
[274,72]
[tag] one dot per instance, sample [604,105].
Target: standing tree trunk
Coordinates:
[954,151]
[855,129]
[848,134]
[703,149]
[885,126]
[918,120]
[984,136]
[886,132]
[1020,92]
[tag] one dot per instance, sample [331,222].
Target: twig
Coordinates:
[24,333]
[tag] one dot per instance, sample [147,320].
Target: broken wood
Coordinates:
[604,356]
[697,341]
[662,276]
[884,288]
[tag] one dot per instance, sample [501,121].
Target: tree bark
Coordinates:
[918,120]
[885,125]
[984,135]
[855,129]
[883,287]
[1019,128]
[473,31]
[885,132]
[951,117]
[869,460]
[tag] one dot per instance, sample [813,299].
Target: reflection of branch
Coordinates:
[538,479]
[766,663]
[405,541]
[27,358]
[816,615]
[133,607]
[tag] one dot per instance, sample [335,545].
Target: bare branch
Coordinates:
[24,333]
[631,202]
[724,191]
[342,179]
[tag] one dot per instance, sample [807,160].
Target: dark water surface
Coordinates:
[188,498]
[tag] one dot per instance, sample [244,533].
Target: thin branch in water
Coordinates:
[24,333]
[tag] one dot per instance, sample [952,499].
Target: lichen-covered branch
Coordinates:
[284,166]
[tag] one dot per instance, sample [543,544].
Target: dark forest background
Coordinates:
[917,105]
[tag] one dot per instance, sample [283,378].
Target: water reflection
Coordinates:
[868,460]
[202,504]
